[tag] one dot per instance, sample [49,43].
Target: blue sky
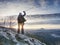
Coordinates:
[13,7]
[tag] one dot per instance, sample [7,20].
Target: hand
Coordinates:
[24,11]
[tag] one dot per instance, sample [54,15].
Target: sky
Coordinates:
[13,7]
[32,7]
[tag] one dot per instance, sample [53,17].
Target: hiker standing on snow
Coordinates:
[21,21]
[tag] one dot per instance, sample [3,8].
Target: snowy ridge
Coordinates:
[24,40]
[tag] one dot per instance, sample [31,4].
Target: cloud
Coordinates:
[53,22]
[12,7]
[8,8]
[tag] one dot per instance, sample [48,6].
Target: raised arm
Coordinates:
[24,13]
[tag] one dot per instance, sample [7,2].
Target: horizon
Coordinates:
[34,22]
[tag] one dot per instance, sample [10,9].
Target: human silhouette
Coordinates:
[21,21]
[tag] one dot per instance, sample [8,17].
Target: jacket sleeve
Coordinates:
[24,13]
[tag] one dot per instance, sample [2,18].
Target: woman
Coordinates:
[21,21]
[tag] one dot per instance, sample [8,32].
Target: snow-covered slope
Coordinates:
[12,38]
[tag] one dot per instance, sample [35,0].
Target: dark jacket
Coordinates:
[21,18]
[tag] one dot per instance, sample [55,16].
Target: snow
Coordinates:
[10,35]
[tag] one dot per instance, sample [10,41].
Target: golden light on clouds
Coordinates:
[45,26]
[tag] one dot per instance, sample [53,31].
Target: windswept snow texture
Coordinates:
[9,37]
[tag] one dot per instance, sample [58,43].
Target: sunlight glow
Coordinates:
[45,26]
